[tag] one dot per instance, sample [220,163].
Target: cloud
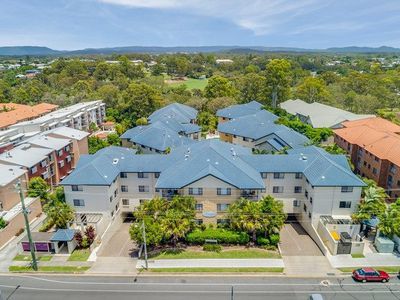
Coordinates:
[260,16]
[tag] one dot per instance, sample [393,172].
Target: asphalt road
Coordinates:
[192,288]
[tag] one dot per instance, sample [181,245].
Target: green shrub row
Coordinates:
[272,240]
[223,236]
[212,247]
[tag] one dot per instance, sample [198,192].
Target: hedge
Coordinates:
[223,236]
[212,248]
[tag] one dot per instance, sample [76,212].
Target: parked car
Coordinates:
[370,274]
[316,297]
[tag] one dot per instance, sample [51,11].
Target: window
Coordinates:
[143,175]
[345,204]
[33,170]
[278,175]
[222,221]
[68,159]
[309,215]
[77,188]
[124,188]
[198,221]
[277,189]
[143,188]
[60,152]
[296,203]
[67,148]
[376,159]
[115,192]
[263,174]
[246,139]
[199,206]
[374,171]
[299,175]
[125,202]
[223,191]
[195,191]
[43,163]
[298,189]
[123,175]
[311,200]
[157,174]
[79,202]
[61,163]
[304,207]
[111,198]
[222,207]
[347,189]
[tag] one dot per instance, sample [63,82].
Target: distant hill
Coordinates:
[36,50]
[27,50]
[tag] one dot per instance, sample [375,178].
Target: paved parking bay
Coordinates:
[296,242]
[119,243]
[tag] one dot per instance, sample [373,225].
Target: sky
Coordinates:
[78,24]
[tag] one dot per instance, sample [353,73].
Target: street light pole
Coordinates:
[232,292]
[28,230]
[145,245]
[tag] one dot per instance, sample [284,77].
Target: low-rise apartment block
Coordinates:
[10,205]
[239,110]
[374,148]
[169,127]
[309,181]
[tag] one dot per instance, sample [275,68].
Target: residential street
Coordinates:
[192,287]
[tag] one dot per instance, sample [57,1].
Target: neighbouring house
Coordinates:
[13,113]
[170,127]
[61,241]
[10,203]
[309,181]
[238,110]
[373,146]
[259,131]
[320,115]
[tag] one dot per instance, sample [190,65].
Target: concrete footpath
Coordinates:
[370,260]
[212,263]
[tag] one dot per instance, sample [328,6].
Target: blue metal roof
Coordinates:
[63,235]
[260,125]
[239,110]
[180,112]
[233,164]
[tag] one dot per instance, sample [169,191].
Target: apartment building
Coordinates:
[78,116]
[373,145]
[309,181]
[239,110]
[320,115]
[10,205]
[170,127]
[12,113]
[259,131]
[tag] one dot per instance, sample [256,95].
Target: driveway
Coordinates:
[118,242]
[296,242]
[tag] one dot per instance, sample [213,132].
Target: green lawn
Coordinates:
[217,270]
[49,269]
[360,255]
[245,253]
[390,269]
[79,255]
[22,257]
[192,83]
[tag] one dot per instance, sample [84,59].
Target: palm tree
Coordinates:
[273,211]
[175,225]
[373,204]
[153,208]
[389,222]
[246,215]
[59,213]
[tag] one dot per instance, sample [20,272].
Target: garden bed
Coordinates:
[79,255]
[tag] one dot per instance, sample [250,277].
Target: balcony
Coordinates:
[169,194]
[250,195]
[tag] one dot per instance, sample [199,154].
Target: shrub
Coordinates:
[78,238]
[46,226]
[223,236]
[274,239]
[90,234]
[212,247]
[85,243]
[3,223]
[262,241]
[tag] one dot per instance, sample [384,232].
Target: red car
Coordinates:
[370,274]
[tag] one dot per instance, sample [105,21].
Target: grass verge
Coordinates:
[359,255]
[217,270]
[192,83]
[49,269]
[389,269]
[79,255]
[22,257]
[246,253]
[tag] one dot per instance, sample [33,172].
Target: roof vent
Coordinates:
[303,157]
[186,156]
[323,177]
[115,161]
[217,163]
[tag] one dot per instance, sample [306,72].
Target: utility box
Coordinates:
[384,245]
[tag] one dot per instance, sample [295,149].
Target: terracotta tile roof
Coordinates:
[18,112]
[377,136]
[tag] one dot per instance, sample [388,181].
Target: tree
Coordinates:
[38,187]
[176,224]
[141,121]
[95,144]
[58,212]
[273,211]
[219,86]
[246,215]
[277,75]
[154,232]
[113,139]
[252,87]
[217,103]
[312,89]
[93,127]
[207,121]
[373,205]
